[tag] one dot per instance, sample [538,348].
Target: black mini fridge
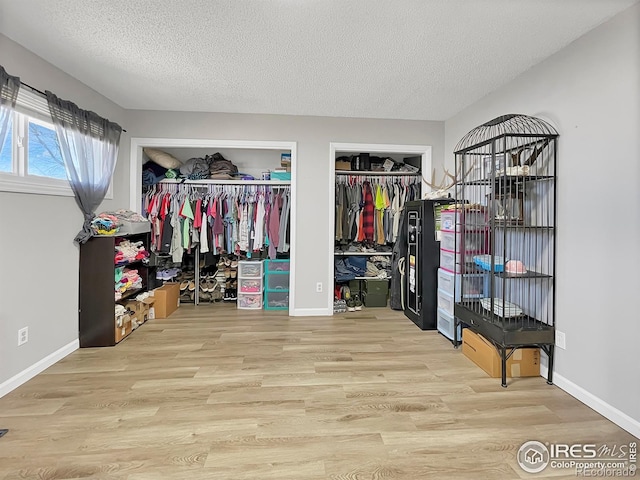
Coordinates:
[422,260]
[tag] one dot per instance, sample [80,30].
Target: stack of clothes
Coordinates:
[104,224]
[125,280]
[220,167]
[379,267]
[127,252]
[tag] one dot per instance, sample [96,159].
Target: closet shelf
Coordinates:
[214,181]
[363,254]
[367,173]
[128,264]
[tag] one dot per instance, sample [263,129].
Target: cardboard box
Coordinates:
[342,165]
[146,306]
[123,327]
[133,306]
[524,362]
[285,161]
[167,299]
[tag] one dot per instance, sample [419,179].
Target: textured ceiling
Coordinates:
[401,59]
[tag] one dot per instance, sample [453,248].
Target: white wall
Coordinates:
[313,136]
[590,91]
[39,273]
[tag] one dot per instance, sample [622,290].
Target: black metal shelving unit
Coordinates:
[96,295]
[507,170]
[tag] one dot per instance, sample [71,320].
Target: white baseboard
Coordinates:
[311,312]
[621,419]
[28,373]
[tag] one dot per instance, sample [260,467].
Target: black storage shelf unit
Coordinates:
[97,293]
[422,261]
[506,168]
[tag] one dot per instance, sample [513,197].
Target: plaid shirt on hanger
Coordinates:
[368,212]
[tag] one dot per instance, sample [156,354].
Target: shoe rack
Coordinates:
[213,278]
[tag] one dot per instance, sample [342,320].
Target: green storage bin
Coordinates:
[354,287]
[376,287]
[374,299]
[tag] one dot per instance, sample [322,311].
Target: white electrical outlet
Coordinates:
[23,336]
[319,287]
[561,340]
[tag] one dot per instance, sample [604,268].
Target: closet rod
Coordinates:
[367,173]
[225,182]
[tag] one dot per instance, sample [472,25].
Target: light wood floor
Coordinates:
[217,393]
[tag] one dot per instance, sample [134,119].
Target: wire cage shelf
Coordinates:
[505,188]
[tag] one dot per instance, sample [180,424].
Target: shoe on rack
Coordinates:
[184,285]
[351,305]
[357,302]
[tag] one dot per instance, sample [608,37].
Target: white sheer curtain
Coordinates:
[89,146]
[9,87]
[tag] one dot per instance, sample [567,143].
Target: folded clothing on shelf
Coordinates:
[349,268]
[104,224]
[127,252]
[126,279]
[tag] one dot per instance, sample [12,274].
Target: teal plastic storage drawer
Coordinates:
[276,300]
[277,265]
[277,281]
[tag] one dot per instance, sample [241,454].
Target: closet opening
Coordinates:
[223,219]
[370,184]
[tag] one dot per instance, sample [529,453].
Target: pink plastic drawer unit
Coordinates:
[250,269]
[445,302]
[277,281]
[472,241]
[250,285]
[250,301]
[445,325]
[471,219]
[450,261]
[476,285]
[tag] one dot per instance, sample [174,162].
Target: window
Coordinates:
[6,163]
[44,157]
[30,158]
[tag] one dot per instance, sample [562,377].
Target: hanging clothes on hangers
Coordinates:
[221,219]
